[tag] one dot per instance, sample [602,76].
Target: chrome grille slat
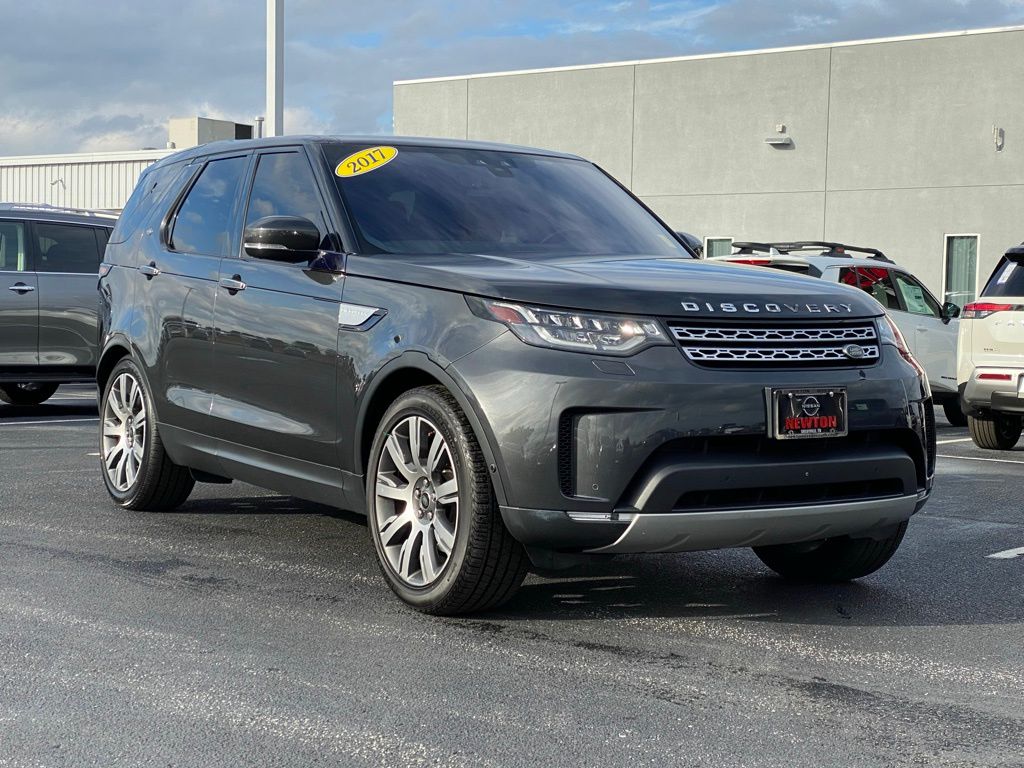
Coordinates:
[713,343]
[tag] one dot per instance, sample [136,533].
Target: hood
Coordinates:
[627,285]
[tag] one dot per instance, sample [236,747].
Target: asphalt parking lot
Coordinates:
[253,629]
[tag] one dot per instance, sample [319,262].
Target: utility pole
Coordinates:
[275,68]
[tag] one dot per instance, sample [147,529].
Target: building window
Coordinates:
[717,246]
[961,272]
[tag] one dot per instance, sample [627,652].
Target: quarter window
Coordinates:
[961,268]
[66,248]
[203,222]
[12,247]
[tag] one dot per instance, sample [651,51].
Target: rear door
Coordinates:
[934,339]
[19,298]
[277,334]
[67,261]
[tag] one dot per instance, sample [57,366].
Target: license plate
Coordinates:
[806,413]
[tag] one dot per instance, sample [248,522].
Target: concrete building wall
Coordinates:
[893,142]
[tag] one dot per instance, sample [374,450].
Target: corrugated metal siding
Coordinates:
[104,184]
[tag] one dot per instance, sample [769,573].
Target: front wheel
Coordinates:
[838,559]
[1000,432]
[433,518]
[136,470]
[27,393]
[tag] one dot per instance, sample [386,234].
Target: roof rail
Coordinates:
[833,249]
[47,208]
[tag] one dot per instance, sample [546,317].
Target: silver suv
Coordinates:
[929,327]
[49,264]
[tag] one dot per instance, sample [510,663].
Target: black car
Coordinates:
[49,259]
[500,356]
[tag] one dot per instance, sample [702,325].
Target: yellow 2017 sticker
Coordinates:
[365,160]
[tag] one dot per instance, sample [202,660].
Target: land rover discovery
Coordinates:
[502,357]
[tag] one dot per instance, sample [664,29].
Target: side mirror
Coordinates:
[949,311]
[694,243]
[291,239]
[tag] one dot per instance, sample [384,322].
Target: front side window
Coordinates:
[66,248]
[203,222]
[437,200]
[961,268]
[284,186]
[12,247]
[915,296]
[876,281]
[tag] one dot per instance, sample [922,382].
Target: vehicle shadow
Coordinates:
[48,410]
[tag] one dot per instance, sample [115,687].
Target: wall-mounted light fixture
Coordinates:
[780,139]
[998,137]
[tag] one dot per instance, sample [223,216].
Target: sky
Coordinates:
[106,75]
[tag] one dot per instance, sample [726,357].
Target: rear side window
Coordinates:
[12,247]
[1008,277]
[203,222]
[152,186]
[66,248]
[873,280]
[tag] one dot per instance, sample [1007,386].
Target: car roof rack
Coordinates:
[796,246]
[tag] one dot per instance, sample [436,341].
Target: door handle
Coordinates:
[233,284]
[21,288]
[150,270]
[921,330]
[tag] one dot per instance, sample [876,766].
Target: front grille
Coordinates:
[720,344]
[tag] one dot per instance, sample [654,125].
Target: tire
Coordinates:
[136,470]
[839,559]
[1000,433]
[27,392]
[954,413]
[424,499]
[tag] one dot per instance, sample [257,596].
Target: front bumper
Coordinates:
[1003,396]
[653,453]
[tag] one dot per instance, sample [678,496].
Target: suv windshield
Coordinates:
[434,200]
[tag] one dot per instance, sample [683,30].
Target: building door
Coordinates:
[961,269]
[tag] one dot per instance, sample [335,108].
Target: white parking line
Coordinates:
[958,440]
[49,421]
[1007,554]
[978,458]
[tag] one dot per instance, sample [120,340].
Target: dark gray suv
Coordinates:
[49,261]
[500,356]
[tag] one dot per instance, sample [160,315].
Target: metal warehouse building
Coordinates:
[914,145]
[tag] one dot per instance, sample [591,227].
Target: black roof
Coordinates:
[44,212]
[244,145]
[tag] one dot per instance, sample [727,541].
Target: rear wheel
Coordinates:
[954,413]
[840,559]
[433,518]
[1001,432]
[136,470]
[27,393]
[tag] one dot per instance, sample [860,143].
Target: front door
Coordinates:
[277,331]
[19,299]
[934,340]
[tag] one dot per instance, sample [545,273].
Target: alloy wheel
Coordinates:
[417,501]
[124,431]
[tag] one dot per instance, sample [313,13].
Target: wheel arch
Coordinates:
[407,372]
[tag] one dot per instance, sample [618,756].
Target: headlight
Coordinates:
[571,330]
[889,333]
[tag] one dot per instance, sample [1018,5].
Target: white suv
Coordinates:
[930,328]
[990,369]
